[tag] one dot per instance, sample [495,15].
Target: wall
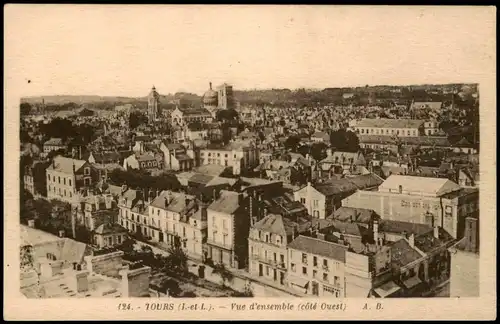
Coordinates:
[334,268]
[108,264]
[464,279]
[63,182]
[135,283]
[310,194]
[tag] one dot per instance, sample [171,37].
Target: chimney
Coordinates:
[80,281]
[61,233]
[436,232]
[329,152]
[375,231]
[53,163]
[96,202]
[31,223]
[124,188]
[411,240]
[74,167]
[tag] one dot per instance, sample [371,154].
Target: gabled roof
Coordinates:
[403,254]
[433,187]
[65,165]
[110,228]
[227,203]
[319,247]
[272,223]
[390,123]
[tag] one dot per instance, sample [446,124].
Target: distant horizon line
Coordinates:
[260,89]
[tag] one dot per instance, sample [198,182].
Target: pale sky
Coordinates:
[124,50]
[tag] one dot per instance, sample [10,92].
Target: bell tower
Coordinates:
[153,105]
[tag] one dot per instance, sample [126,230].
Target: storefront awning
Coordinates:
[387,289]
[301,282]
[412,282]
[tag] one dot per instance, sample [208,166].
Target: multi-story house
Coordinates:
[183,117]
[54,144]
[108,235]
[240,155]
[321,200]
[66,177]
[28,180]
[133,212]
[95,210]
[340,162]
[179,218]
[316,266]
[228,228]
[177,157]
[420,200]
[148,161]
[267,242]
[392,127]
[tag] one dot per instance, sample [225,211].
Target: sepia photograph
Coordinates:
[310,154]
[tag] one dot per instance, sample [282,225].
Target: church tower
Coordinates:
[153,105]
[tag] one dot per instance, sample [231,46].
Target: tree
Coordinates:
[318,151]
[171,287]
[136,118]
[221,270]
[292,142]
[344,140]
[177,260]
[25,108]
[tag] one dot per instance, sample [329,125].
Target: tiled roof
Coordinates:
[392,226]
[390,123]
[54,141]
[65,165]
[110,228]
[402,253]
[272,223]
[179,202]
[359,215]
[228,203]
[427,242]
[319,247]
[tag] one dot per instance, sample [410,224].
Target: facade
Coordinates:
[316,267]
[177,218]
[28,180]
[267,244]
[392,127]
[464,278]
[177,157]
[228,228]
[241,155]
[184,117]
[54,144]
[66,177]
[420,200]
[147,161]
[95,210]
[109,235]
[153,105]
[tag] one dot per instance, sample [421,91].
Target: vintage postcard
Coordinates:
[249,162]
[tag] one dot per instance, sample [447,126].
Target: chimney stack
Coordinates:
[31,223]
[436,232]
[375,232]
[61,233]
[411,240]
[80,281]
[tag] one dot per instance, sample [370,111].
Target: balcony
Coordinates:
[219,244]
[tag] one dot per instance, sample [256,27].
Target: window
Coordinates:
[213,222]
[224,224]
[69,180]
[294,269]
[315,273]
[119,239]
[267,270]
[303,201]
[58,179]
[48,176]
[86,171]
[304,258]
[315,261]
[325,263]
[158,212]
[400,189]
[64,181]
[184,232]
[315,203]
[275,259]
[325,276]
[267,238]
[304,270]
